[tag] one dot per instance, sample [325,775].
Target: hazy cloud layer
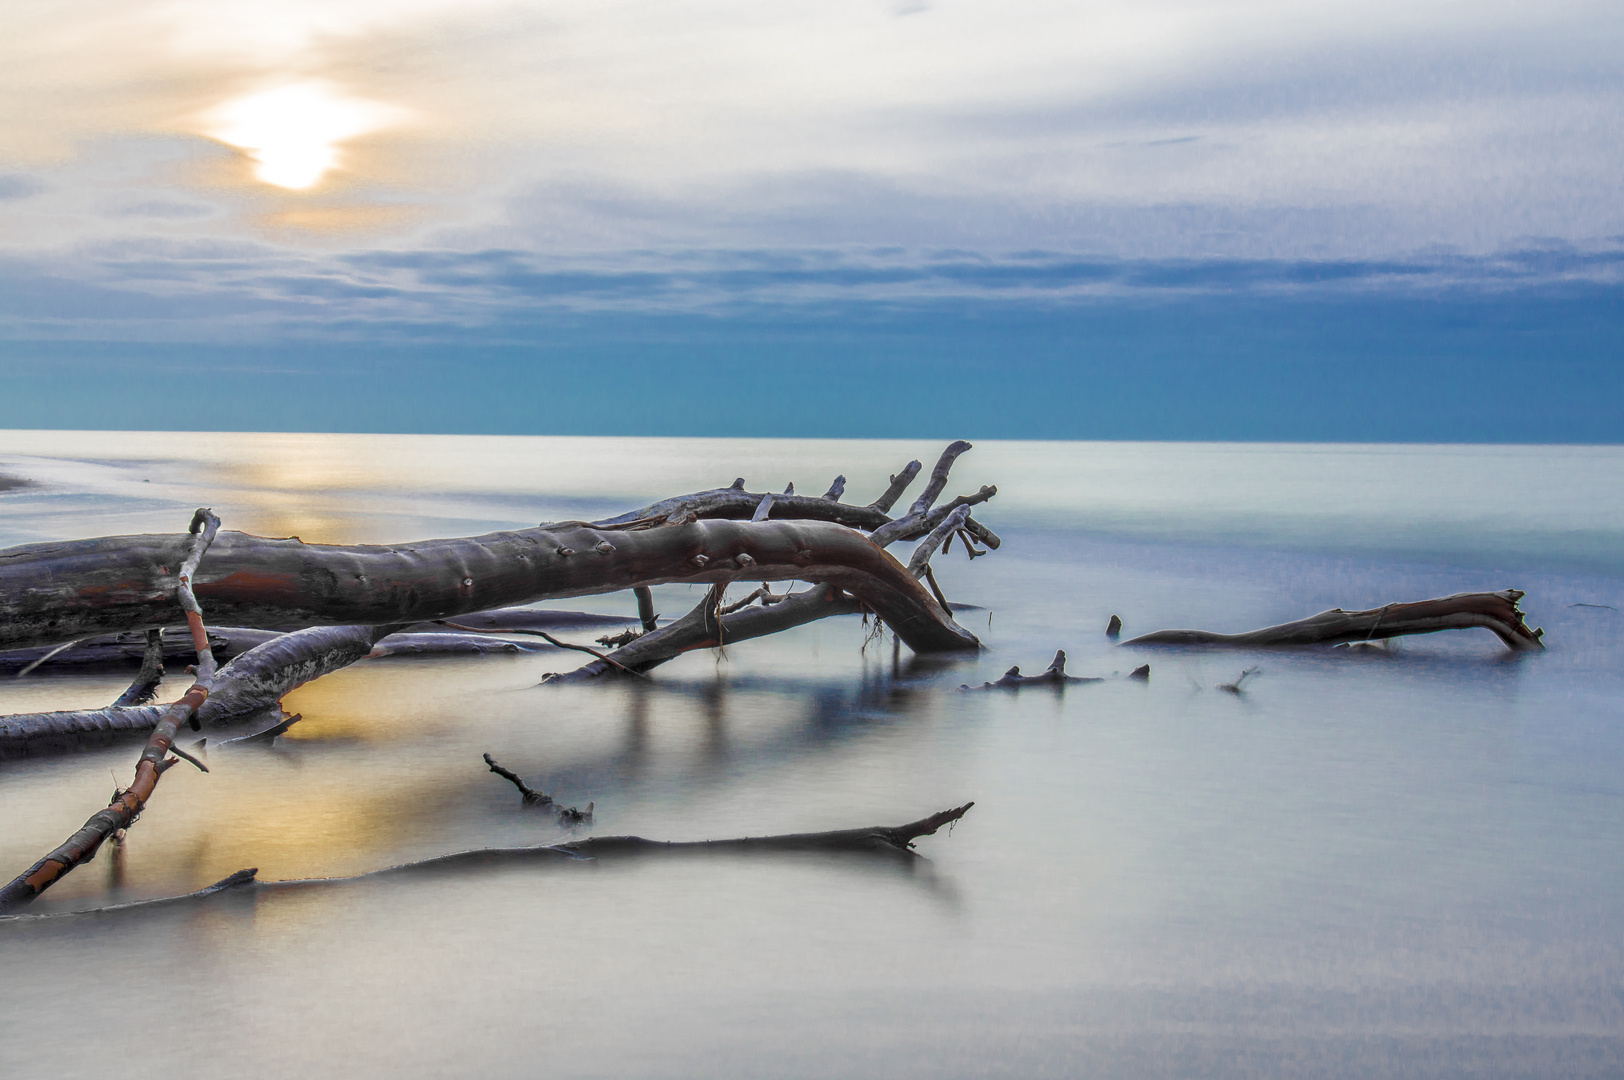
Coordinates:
[499,159]
[215,292]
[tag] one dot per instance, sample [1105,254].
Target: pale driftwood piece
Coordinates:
[765,510]
[245,686]
[922,554]
[1054,676]
[889,841]
[899,484]
[65,591]
[1494,611]
[938,478]
[27,734]
[249,685]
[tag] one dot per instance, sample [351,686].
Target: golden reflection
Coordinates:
[335,219]
[293,132]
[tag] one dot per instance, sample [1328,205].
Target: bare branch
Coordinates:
[899,484]
[927,547]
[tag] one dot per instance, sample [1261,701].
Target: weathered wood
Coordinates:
[736,503]
[145,685]
[56,592]
[709,625]
[1494,611]
[254,681]
[700,629]
[1054,676]
[889,841]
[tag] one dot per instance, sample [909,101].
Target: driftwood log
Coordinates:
[339,602]
[55,593]
[1494,611]
[886,841]
[710,624]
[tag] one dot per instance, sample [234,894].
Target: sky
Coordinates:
[1397,221]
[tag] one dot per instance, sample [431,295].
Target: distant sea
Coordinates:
[1397,862]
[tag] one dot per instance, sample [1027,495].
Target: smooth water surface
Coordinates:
[1402,862]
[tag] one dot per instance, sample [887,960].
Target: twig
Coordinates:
[59,650]
[1235,687]
[531,796]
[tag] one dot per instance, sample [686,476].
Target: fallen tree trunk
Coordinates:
[59,592]
[1495,611]
[891,841]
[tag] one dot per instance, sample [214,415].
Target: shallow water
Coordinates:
[1400,863]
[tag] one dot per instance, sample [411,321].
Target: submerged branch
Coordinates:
[1494,611]
[894,841]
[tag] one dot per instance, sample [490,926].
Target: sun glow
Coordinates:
[294,132]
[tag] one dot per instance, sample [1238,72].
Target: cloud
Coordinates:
[185,292]
[14,186]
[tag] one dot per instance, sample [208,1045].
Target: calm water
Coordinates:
[1405,863]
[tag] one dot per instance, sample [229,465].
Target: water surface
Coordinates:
[1401,863]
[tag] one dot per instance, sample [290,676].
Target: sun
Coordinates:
[293,132]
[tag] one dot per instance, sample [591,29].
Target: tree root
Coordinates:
[1494,611]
